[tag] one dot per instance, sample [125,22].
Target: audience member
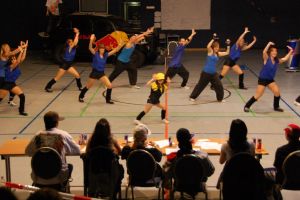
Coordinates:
[68,146]
[7,194]
[45,194]
[102,136]
[237,141]
[185,144]
[292,134]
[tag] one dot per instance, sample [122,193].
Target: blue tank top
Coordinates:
[210,66]
[235,52]
[268,71]
[125,54]
[69,56]
[176,59]
[98,62]
[12,75]
[2,68]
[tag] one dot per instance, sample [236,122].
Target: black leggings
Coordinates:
[181,71]
[120,67]
[205,78]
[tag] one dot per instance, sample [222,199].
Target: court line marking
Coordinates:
[33,75]
[284,101]
[36,116]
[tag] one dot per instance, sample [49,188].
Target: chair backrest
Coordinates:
[188,174]
[291,171]
[141,166]
[243,178]
[54,141]
[101,172]
[46,163]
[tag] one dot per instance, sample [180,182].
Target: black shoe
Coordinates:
[243,87]
[79,88]
[48,90]
[110,102]
[246,109]
[23,113]
[80,100]
[279,109]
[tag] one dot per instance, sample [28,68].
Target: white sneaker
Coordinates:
[11,103]
[186,87]
[137,122]
[296,103]
[43,34]
[165,121]
[192,100]
[135,87]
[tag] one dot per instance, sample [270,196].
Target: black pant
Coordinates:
[181,71]
[205,78]
[120,67]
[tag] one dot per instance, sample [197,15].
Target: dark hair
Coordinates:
[184,141]
[7,194]
[45,194]
[101,135]
[238,136]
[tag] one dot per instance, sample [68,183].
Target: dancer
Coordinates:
[124,61]
[234,55]
[5,54]
[67,63]
[267,75]
[175,66]
[209,73]
[12,73]
[99,61]
[159,83]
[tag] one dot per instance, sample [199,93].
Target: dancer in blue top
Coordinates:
[99,62]
[267,75]
[209,73]
[175,66]
[12,73]
[234,55]
[5,55]
[67,63]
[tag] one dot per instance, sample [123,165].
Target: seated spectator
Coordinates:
[292,134]
[45,194]
[237,141]
[185,145]
[140,133]
[68,147]
[7,194]
[102,136]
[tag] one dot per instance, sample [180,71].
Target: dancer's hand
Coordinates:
[76,30]
[154,77]
[246,30]
[227,42]
[271,43]
[193,32]
[254,38]
[290,48]
[93,37]
[168,80]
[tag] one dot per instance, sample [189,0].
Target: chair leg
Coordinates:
[206,195]
[132,193]
[120,193]
[126,192]
[158,195]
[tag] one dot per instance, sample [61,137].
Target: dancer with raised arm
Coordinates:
[175,66]
[267,75]
[67,63]
[99,61]
[234,55]
[12,73]
[209,73]
[159,83]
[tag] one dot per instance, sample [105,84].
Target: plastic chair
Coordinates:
[291,172]
[102,173]
[141,168]
[46,164]
[243,178]
[188,176]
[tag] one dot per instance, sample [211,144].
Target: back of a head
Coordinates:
[184,137]
[238,135]
[292,132]
[45,194]
[101,135]
[140,136]
[51,119]
[7,194]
